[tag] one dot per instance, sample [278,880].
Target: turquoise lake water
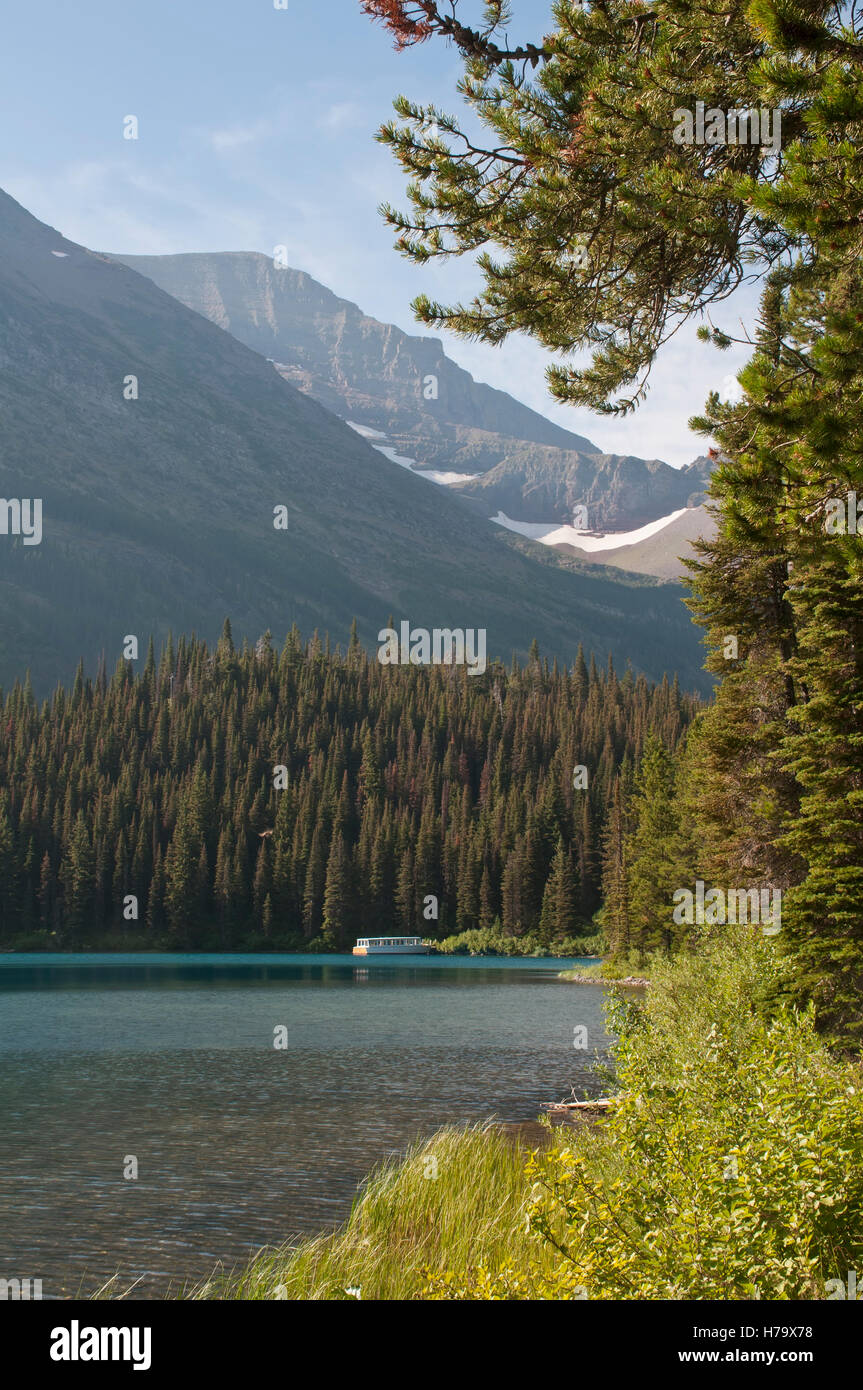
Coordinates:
[171,1060]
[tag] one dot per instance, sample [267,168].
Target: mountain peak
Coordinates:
[367,371]
[158,502]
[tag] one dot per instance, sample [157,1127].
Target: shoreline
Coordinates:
[363,962]
[628,982]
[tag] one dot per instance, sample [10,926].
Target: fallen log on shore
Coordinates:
[630,981]
[601,1105]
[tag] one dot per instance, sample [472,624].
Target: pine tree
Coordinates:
[180,884]
[313,892]
[47,894]
[405,894]
[655,870]
[617,911]
[9,914]
[78,875]
[337,897]
[559,902]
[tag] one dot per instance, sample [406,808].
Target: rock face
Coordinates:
[160,446]
[429,409]
[619,493]
[363,370]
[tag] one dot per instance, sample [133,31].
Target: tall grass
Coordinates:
[455,1202]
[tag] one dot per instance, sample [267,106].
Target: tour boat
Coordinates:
[390,946]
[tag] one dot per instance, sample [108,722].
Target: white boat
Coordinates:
[390,946]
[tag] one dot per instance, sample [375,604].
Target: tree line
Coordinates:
[304,796]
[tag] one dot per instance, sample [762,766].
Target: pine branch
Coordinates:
[413,23]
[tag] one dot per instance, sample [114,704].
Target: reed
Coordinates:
[454,1203]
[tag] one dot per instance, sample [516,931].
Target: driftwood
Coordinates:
[604,1104]
[630,982]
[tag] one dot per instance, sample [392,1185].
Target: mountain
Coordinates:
[662,554]
[360,369]
[618,492]
[412,400]
[158,510]
[656,549]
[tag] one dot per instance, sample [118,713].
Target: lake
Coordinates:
[171,1061]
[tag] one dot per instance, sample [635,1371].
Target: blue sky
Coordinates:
[256,129]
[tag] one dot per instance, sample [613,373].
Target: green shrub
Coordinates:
[485,941]
[731,1166]
[635,964]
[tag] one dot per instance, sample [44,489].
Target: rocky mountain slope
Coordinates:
[663,553]
[617,492]
[416,401]
[159,446]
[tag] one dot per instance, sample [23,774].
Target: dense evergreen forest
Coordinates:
[253,797]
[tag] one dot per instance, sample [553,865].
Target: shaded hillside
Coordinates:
[158,511]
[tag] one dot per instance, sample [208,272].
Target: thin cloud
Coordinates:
[341,116]
[239,136]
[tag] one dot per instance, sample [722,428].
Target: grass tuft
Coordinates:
[455,1202]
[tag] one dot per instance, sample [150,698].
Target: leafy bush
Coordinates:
[732,1164]
[634,965]
[485,941]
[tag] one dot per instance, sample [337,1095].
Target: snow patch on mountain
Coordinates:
[394,456]
[437,475]
[552,533]
[366,432]
[431,475]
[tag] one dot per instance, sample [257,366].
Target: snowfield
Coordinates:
[552,533]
